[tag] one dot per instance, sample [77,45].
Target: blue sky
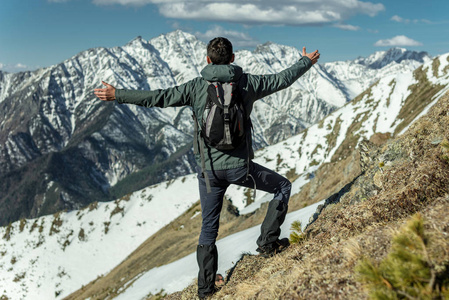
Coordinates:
[40,33]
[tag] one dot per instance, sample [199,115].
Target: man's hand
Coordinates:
[107,94]
[314,56]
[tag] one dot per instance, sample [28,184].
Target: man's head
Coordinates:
[219,51]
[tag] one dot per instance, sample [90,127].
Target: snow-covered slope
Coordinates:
[54,255]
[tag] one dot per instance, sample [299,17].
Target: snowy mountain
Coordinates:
[50,121]
[381,59]
[60,148]
[54,255]
[356,76]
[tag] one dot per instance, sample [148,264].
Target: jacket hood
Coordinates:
[222,73]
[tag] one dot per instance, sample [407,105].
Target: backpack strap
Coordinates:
[248,160]
[197,142]
[195,134]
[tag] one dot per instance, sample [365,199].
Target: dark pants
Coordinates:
[211,204]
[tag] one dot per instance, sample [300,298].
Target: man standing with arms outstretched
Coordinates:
[221,168]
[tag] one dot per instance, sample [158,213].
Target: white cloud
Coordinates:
[399,40]
[20,66]
[286,12]
[125,2]
[16,68]
[238,39]
[347,27]
[399,19]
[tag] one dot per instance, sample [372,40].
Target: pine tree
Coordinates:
[297,234]
[408,271]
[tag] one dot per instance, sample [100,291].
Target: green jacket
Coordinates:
[194,94]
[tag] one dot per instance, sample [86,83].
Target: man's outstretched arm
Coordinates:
[264,85]
[175,96]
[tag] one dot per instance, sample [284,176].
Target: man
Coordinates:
[226,167]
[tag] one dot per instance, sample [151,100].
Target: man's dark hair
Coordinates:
[219,51]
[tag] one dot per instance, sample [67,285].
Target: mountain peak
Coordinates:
[271,46]
[178,36]
[137,41]
[382,58]
[179,32]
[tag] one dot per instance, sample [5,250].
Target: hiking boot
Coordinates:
[209,294]
[274,248]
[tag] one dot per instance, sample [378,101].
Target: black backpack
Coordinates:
[224,124]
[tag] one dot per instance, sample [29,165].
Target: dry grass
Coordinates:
[323,268]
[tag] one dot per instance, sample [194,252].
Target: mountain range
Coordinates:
[62,149]
[54,255]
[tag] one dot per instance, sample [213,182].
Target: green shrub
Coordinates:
[408,271]
[297,235]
